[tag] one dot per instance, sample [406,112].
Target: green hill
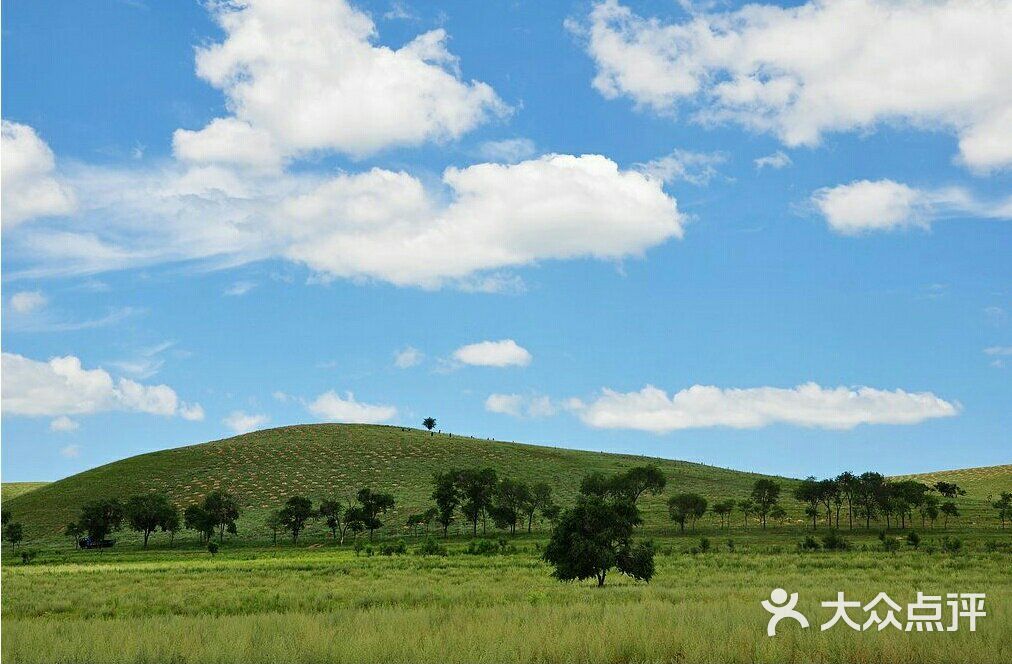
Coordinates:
[11,490]
[324,460]
[982,485]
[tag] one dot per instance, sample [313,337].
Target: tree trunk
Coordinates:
[600,579]
[147,534]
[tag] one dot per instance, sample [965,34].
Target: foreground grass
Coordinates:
[327,605]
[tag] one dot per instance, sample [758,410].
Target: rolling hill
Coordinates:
[11,490]
[263,468]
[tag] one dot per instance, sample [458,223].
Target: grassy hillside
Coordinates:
[322,460]
[983,485]
[11,490]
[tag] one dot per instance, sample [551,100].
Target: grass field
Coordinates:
[319,602]
[328,605]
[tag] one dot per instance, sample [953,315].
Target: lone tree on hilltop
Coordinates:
[295,513]
[429,423]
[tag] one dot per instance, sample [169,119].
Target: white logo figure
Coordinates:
[781,608]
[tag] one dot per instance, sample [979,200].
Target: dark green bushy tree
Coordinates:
[373,505]
[445,492]
[331,511]
[101,517]
[147,512]
[686,507]
[296,511]
[223,510]
[765,495]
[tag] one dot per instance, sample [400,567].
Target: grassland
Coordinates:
[320,602]
[328,605]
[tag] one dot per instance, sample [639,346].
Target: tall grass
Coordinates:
[331,606]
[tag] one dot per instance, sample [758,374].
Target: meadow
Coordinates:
[317,601]
[324,603]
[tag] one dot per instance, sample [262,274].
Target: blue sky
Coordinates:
[579,178]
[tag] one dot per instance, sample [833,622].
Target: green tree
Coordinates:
[330,511]
[949,510]
[949,490]
[686,507]
[636,481]
[171,523]
[847,482]
[723,510]
[74,532]
[594,537]
[14,533]
[373,505]
[747,507]
[446,493]
[509,502]
[147,512]
[476,487]
[101,517]
[296,511]
[540,501]
[275,524]
[197,518]
[223,510]
[868,492]
[765,495]
[429,423]
[807,492]
[1004,507]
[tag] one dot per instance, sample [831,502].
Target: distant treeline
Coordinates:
[477,496]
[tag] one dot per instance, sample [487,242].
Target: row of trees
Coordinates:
[361,512]
[478,494]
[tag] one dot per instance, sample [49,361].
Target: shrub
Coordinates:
[890,544]
[809,544]
[913,539]
[704,544]
[397,548]
[369,551]
[358,547]
[212,547]
[730,545]
[28,555]
[430,546]
[834,541]
[952,545]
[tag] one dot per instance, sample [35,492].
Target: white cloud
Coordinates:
[808,405]
[227,141]
[878,205]
[999,350]
[824,66]
[70,451]
[521,405]
[64,424]
[330,406]
[696,168]
[776,161]
[408,357]
[193,412]
[509,151]
[30,185]
[377,224]
[27,302]
[62,386]
[503,353]
[241,422]
[353,96]
[239,288]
